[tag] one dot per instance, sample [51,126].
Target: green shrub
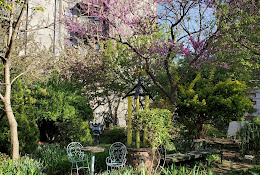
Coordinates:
[100,160]
[249,137]
[3,157]
[54,158]
[23,166]
[255,170]
[61,109]
[73,130]
[214,132]
[158,123]
[211,159]
[112,135]
[28,132]
[5,145]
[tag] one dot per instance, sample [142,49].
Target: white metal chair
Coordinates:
[77,157]
[117,155]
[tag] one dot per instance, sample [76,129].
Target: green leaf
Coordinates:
[38,8]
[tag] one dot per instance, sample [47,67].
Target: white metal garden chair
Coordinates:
[77,157]
[117,155]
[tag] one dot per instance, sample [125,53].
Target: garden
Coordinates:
[152,83]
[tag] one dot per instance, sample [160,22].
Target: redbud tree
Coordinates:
[189,26]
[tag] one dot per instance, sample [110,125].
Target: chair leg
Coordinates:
[77,168]
[71,169]
[83,168]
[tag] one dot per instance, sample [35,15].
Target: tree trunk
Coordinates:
[9,113]
[174,99]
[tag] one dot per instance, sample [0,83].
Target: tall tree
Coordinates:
[15,61]
[238,43]
[205,100]
[6,98]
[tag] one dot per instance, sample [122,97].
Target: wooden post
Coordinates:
[129,122]
[137,132]
[145,128]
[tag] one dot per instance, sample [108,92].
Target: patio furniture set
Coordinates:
[79,160]
[117,156]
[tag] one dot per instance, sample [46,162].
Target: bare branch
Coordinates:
[39,28]
[14,33]
[19,76]
[191,33]
[129,45]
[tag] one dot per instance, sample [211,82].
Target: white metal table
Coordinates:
[93,150]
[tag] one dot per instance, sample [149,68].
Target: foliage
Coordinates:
[57,99]
[238,40]
[20,55]
[158,123]
[3,157]
[203,102]
[62,110]
[100,164]
[184,170]
[24,165]
[249,136]
[142,30]
[73,130]
[115,134]
[213,132]
[211,159]
[255,170]
[102,73]
[4,136]
[127,171]
[28,131]
[252,171]
[54,158]
[4,5]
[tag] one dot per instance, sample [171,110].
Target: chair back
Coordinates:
[74,152]
[118,152]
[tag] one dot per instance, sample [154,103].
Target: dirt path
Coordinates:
[232,162]
[231,157]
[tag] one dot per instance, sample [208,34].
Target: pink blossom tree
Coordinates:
[189,28]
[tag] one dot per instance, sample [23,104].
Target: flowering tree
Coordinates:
[189,29]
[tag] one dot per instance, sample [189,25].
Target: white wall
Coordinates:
[255,94]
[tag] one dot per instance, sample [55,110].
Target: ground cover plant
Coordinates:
[186,170]
[54,158]
[22,166]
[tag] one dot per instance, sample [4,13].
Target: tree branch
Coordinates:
[251,49]
[39,28]
[14,33]
[154,80]
[196,58]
